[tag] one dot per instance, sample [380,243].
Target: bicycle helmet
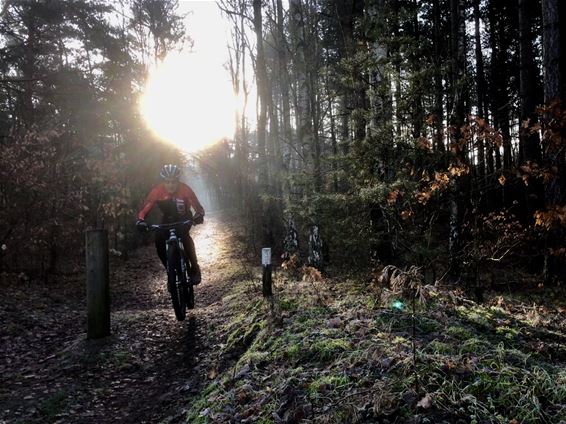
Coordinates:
[170,171]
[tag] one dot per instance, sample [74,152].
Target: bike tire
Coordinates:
[175,273]
[190,297]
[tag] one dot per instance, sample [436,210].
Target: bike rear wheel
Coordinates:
[176,281]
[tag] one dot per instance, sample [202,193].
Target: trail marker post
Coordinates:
[97,284]
[266,279]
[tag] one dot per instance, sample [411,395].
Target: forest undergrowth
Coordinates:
[336,350]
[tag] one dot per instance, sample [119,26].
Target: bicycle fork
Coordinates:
[174,240]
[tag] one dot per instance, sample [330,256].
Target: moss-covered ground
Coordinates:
[333,351]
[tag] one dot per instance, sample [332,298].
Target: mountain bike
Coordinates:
[178,275]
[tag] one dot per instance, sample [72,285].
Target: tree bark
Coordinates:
[283,62]
[303,116]
[499,42]
[551,50]
[417,112]
[438,89]
[529,141]
[458,52]
[480,82]
[263,93]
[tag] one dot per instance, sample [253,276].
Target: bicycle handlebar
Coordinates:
[156,227]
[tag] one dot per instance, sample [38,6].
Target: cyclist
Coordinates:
[175,200]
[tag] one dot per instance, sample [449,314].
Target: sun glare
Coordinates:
[189,102]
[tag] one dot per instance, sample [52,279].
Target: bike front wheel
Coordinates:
[190,297]
[176,281]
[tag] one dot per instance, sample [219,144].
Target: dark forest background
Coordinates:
[412,132]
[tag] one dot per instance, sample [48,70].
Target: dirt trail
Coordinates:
[145,372]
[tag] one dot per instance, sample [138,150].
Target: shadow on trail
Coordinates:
[147,371]
[190,340]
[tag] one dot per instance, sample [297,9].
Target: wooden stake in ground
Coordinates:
[266,264]
[97,284]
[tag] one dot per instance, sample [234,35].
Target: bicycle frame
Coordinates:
[176,241]
[173,238]
[177,277]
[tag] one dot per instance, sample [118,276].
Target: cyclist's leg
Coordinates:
[192,255]
[160,245]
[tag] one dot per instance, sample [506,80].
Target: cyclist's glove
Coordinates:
[142,226]
[198,219]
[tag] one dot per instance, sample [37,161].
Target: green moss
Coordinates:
[458,332]
[297,371]
[400,341]
[427,325]
[242,338]
[294,352]
[507,332]
[478,316]
[475,345]
[372,303]
[320,311]
[255,357]
[393,321]
[264,420]
[437,346]
[305,322]
[287,305]
[327,382]
[200,404]
[329,348]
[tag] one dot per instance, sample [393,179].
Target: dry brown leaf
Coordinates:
[311,274]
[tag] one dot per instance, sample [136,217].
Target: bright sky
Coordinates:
[188,100]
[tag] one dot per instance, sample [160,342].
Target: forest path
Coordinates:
[146,371]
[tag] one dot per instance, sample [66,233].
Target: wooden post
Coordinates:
[97,284]
[266,264]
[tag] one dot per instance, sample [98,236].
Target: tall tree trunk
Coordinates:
[551,50]
[458,62]
[29,69]
[275,156]
[529,144]
[237,66]
[499,42]
[312,62]
[480,84]
[553,153]
[529,89]
[316,148]
[347,11]
[288,152]
[334,143]
[397,66]
[299,47]
[263,94]
[438,89]
[416,79]
[343,13]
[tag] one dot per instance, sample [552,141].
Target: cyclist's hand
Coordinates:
[142,226]
[198,218]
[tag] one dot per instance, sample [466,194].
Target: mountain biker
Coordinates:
[175,200]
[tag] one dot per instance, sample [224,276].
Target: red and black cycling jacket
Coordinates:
[175,207]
